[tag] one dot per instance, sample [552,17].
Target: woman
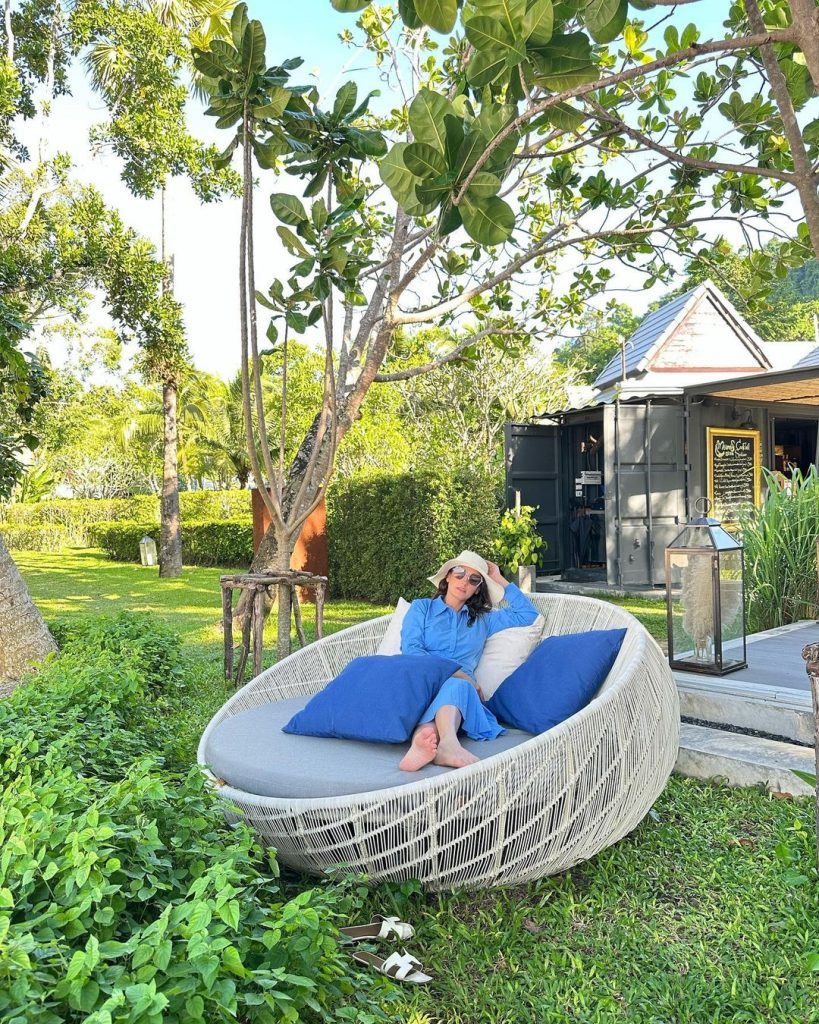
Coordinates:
[455,625]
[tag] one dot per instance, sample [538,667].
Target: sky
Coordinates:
[203,238]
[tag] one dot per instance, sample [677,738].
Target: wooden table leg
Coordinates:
[319,611]
[294,596]
[227,628]
[258,629]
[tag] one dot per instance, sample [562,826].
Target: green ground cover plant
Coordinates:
[124,896]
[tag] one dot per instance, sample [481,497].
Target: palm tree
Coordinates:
[200,21]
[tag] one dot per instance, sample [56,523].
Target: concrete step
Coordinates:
[743,760]
[777,710]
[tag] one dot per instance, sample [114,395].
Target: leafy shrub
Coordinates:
[124,896]
[387,534]
[137,636]
[517,542]
[206,505]
[225,542]
[780,540]
[76,515]
[36,538]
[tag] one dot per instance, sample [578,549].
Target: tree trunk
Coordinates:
[26,638]
[170,537]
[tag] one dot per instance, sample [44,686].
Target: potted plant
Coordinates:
[517,547]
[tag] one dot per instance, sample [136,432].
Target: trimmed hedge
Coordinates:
[35,538]
[76,515]
[226,542]
[387,534]
[124,895]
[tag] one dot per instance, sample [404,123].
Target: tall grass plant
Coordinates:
[780,540]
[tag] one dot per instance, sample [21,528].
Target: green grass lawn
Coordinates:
[707,914]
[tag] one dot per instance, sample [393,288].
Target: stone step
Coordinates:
[743,760]
[777,710]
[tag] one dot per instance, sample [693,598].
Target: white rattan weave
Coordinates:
[534,810]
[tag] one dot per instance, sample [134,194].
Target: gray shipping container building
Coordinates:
[693,407]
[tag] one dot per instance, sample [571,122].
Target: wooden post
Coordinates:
[319,611]
[811,655]
[227,626]
[297,616]
[258,628]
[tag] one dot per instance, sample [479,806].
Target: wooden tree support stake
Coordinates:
[260,586]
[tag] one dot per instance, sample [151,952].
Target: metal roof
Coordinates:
[651,331]
[811,359]
[658,326]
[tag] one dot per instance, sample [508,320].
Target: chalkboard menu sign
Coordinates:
[734,460]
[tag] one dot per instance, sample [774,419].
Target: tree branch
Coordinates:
[804,178]
[414,371]
[670,59]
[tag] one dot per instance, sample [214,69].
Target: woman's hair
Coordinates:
[477,605]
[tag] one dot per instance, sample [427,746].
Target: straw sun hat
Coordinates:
[472,561]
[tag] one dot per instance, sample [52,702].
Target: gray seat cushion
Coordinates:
[250,752]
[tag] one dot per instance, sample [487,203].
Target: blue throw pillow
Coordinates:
[378,698]
[558,678]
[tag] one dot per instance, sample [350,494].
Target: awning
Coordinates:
[794,386]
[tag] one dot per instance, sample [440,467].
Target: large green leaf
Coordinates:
[470,152]
[509,13]
[598,13]
[226,54]
[449,220]
[253,44]
[350,6]
[406,9]
[401,182]
[561,115]
[291,242]
[367,142]
[485,67]
[454,138]
[567,61]
[607,31]
[488,34]
[484,185]
[345,101]
[433,190]
[538,23]
[209,64]
[278,99]
[268,152]
[438,14]
[238,24]
[424,161]
[426,117]
[488,221]
[287,208]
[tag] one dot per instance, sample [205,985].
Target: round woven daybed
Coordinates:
[533,806]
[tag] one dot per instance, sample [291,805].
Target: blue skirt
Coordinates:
[478,721]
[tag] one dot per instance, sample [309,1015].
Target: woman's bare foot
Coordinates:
[423,749]
[453,755]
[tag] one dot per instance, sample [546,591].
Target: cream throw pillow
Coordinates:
[504,652]
[391,641]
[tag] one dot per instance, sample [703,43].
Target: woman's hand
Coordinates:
[462,675]
[495,574]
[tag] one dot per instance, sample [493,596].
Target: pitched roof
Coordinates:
[657,328]
[653,329]
[811,359]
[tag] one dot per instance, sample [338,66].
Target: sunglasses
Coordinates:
[472,577]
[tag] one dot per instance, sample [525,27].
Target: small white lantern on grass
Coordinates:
[147,551]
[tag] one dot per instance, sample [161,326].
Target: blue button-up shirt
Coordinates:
[432,627]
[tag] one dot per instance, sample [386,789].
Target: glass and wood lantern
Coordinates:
[705,592]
